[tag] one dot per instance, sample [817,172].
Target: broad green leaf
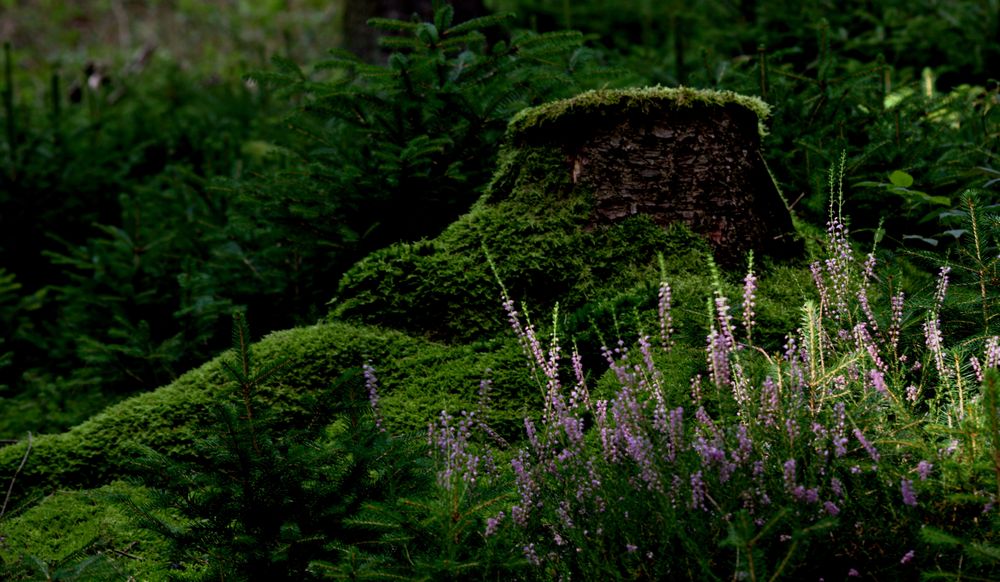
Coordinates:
[901,179]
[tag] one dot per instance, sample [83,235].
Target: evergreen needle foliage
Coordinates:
[260,502]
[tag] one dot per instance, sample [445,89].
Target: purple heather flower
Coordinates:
[992,353]
[976,368]
[869,267]
[749,300]
[795,359]
[817,275]
[698,491]
[640,449]
[630,548]
[564,517]
[745,446]
[789,474]
[492,523]
[838,265]
[579,395]
[532,434]
[696,389]
[530,555]
[519,515]
[525,482]
[371,383]
[820,435]
[666,318]
[646,349]
[878,382]
[909,495]
[897,319]
[912,393]
[932,338]
[451,444]
[717,351]
[792,429]
[866,308]
[853,573]
[769,403]
[864,342]
[872,452]
[837,487]
[942,287]
[725,321]
[831,508]
[924,470]
[907,557]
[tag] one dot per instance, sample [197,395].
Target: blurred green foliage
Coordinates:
[109,224]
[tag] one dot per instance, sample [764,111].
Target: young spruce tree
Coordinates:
[259,501]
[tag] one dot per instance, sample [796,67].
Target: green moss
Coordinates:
[69,527]
[596,102]
[534,225]
[436,380]
[170,418]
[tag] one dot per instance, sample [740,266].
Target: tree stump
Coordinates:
[684,155]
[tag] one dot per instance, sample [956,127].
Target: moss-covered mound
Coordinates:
[536,224]
[418,379]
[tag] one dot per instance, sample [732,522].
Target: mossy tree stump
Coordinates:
[674,154]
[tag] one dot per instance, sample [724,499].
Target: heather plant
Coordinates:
[849,437]
[446,531]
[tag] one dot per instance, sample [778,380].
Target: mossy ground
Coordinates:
[82,535]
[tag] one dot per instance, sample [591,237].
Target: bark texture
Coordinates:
[695,162]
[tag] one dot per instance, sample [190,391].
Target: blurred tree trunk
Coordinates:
[362,40]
